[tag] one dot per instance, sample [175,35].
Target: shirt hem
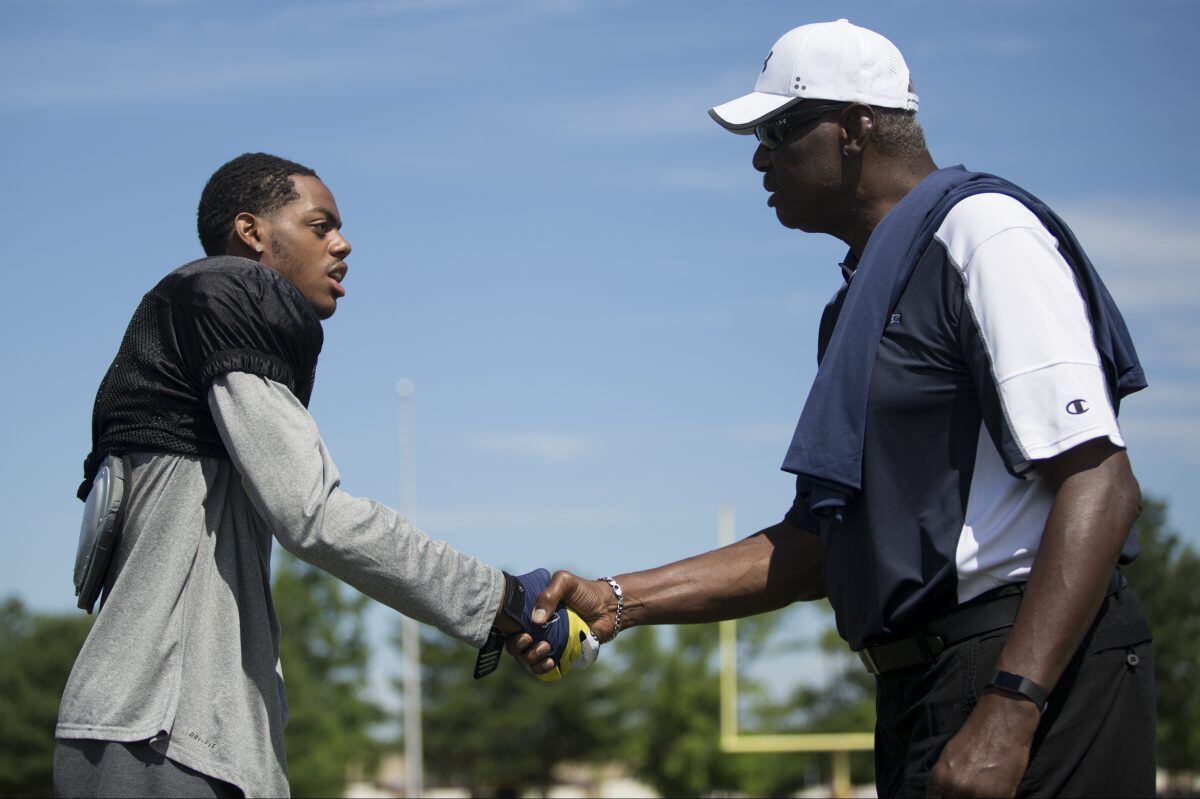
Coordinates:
[174,751]
[181,754]
[1073,439]
[102,732]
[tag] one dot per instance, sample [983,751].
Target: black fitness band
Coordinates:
[1023,686]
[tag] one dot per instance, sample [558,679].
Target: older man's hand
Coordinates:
[592,600]
[989,755]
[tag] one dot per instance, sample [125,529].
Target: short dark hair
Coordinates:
[898,133]
[258,183]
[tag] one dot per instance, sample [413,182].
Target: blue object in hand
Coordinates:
[571,640]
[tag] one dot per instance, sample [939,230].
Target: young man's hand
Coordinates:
[591,601]
[564,638]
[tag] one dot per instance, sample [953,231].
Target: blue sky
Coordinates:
[609,332]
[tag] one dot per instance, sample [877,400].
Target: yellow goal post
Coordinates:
[838,744]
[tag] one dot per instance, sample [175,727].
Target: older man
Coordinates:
[201,425]
[963,491]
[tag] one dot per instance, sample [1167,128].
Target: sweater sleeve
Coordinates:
[293,483]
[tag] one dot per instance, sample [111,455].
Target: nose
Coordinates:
[339,247]
[761,159]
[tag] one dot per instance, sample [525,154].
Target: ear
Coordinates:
[248,233]
[858,125]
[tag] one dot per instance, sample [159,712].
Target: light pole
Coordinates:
[410,636]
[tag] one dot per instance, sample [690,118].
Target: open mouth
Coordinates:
[770,186]
[336,276]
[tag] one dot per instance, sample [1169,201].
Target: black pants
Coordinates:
[1096,738]
[105,768]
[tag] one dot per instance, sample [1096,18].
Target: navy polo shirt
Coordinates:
[987,365]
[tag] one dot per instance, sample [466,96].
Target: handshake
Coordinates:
[536,625]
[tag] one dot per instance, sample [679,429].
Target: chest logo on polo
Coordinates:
[894,319]
[1077,406]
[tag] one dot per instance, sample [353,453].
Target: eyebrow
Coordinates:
[337,222]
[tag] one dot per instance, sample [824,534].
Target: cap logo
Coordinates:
[765,60]
[1076,407]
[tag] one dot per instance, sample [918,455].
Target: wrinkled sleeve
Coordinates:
[293,483]
[799,514]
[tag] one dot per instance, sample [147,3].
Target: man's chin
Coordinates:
[325,310]
[802,219]
[788,218]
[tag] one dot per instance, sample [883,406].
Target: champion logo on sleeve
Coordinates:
[1077,406]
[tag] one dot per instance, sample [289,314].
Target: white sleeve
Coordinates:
[1031,325]
[294,485]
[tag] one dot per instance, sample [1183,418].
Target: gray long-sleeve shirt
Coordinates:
[186,648]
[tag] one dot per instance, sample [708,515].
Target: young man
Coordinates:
[178,690]
[963,491]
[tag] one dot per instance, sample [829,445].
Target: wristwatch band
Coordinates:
[1016,684]
[514,599]
[513,606]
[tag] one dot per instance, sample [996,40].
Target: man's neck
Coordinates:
[888,184]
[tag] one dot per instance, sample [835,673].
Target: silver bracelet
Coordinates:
[616,587]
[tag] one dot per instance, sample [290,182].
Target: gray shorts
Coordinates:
[105,768]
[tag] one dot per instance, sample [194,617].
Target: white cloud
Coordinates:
[1168,395]
[173,67]
[1148,252]
[1164,416]
[460,12]
[673,317]
[993,43]
[760,434]
[178,51]
[702,179]
[540,446]
[551,519]
[807,300]
[651,112]
[1176,342]
[1012,44]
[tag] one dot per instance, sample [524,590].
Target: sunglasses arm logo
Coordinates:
[765,60]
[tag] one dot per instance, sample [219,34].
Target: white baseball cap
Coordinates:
[823,61]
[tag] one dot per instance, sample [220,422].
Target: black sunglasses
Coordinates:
[770,134]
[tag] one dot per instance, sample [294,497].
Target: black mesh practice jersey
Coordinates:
[208,317]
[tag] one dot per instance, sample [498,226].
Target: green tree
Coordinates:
[672,718]
[1166,577]
[36,654]
[324,654]
[506,733]
[650,701]
[673,708]
[844,703]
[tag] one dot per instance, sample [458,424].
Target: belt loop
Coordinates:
[869,661]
